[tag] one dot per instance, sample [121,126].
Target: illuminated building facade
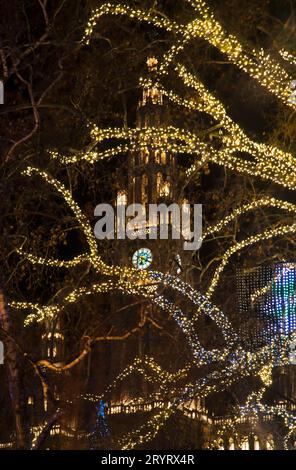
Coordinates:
[153,178]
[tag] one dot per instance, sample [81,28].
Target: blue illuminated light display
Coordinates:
[101,430]
[267,302]
[282,299]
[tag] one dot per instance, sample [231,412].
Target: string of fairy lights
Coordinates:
[256,63]
[268,162]
[272,298]
[184,323]
[291,58]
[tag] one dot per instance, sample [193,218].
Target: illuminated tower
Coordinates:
[53,342]
[152,170]
[153,179]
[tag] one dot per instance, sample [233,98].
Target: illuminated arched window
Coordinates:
[162,186]
[121,199]
[157,155]
[30,400]
[165,190]
[256,443]
[231,444]
[156,96]
[220,444]
[145,156]
[245,443]
[269,442]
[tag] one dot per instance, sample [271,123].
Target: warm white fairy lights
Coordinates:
[256,204]
[117,10]
[257,63]
[291,58]
[268,162]
[266,235]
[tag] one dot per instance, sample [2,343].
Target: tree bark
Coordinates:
[13,362]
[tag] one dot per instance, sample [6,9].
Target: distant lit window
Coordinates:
[221,445]
[157,155]
[163,187]
[269,442]
[121,198]
[145,156]
[231,444]
[256,443]
[245,443]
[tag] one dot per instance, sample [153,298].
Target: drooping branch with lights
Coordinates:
[233,362]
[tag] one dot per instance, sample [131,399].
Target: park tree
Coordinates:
[75,316]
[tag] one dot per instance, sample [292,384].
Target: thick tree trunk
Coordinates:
[46,430]
[13,363]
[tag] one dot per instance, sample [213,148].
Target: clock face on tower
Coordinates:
[142,258]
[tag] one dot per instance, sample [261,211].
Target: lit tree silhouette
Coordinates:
[268,163]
